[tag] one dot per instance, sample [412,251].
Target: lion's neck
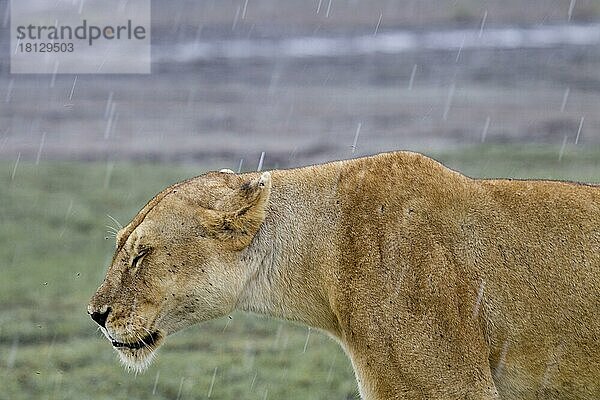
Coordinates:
[288,274]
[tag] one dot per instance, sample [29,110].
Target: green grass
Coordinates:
[53,255]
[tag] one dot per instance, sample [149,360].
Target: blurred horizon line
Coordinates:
[385,42]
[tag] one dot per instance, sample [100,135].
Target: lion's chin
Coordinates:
[138,358]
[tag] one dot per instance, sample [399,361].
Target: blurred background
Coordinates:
[491,88]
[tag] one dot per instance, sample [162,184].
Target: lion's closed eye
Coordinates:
[139,257]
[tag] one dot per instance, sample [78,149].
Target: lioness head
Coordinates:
[179,262]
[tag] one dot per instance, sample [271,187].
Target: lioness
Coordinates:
[438,286]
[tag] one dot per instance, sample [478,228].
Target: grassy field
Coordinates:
[53,219]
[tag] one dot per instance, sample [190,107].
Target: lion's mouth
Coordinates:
[147,341]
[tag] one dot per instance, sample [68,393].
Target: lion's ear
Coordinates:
[239,227]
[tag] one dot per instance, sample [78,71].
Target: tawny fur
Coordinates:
[438,286]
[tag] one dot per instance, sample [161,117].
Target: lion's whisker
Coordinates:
[115,221]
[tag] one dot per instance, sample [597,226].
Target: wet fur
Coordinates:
[438,286]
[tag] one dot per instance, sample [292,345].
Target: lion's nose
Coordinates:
[100,318]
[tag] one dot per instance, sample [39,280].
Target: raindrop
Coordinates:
[328,9]
[289,115]
[240,165]
[306,342]
[4,140]
[449,100]
[39,152]
[462,44]
[226,324]
[564,99]
[110,122]
[249,357]
[12,356]
[57,383]
[54,72]
[552,365]
[180,387]
[101,65]
[284,373]
[108,174]
[260,162]
[562,148]
[501,360]
[412,77]
[579,130]
[479,298]
[66,218]
[212,382]
[330,372]
[50,347]
[120,8]
[483,20]
[73,88]
[277,336]
[485,129]
[319,6]
[356,137]
[236,18]
[108,108]
[293,154]
[244,9]
[378,24]
[155,383]
[253,380]
[571,7]
[17,46]
[14,171]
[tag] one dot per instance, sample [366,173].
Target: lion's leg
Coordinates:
[418,345]
[417,371]
[415,330]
